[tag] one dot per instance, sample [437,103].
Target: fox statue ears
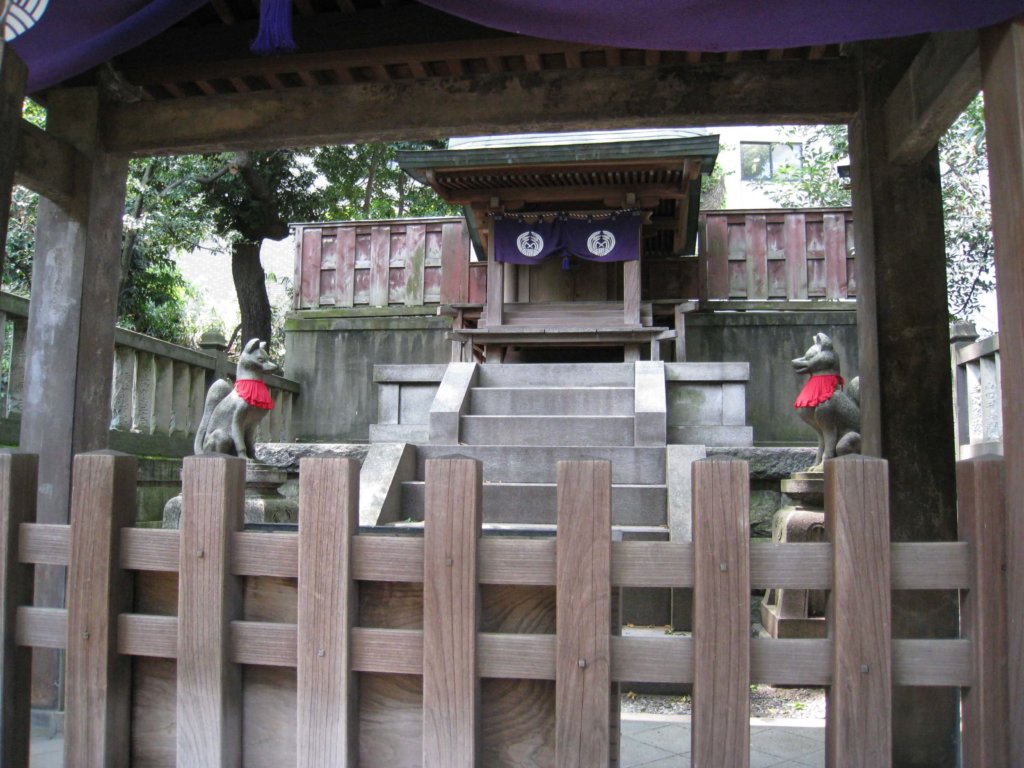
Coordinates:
[253,343]
[823,341]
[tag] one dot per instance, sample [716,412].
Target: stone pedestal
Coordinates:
[798,613]
[263,500]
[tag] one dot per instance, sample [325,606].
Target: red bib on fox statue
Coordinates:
[255,393]
[818,389]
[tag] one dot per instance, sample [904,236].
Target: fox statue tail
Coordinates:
[220,389]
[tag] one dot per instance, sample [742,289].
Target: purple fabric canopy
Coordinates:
[728,25]
[72,36]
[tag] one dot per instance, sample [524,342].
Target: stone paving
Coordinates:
[663,741]
[648,741]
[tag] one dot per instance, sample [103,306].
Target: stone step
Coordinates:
[557,374]
[538,464]
[533,503]
[540,531]
[565,401]
[546,430]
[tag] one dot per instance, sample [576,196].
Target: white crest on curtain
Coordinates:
[21,15]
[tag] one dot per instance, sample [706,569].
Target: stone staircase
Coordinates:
[520,420]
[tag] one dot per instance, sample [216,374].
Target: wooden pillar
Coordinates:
[70,345]
[495,284]
[12,95]
[1002,68]
[906,400]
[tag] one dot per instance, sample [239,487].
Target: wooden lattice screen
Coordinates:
[331,647]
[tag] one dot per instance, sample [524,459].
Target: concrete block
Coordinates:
[712,435]
[546,430]
[399,433]
[679,481]
[451,402]
[567,401]
[565,374]
[538,464]
[535,503]
[707,371]
[386,467]
[649,403]
[734,405]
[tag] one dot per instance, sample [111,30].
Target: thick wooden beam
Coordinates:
[12,94]
[1002,67]
[937,86]
[904,417]
[70,344]
[702,94]
[47,165]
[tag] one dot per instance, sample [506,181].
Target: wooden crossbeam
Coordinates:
[745,92]
[47,165]
[939,83]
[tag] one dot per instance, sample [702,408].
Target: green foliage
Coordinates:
[364,181]
[816,183]
[965,198]
[21,238]
[253,195]
[970,254]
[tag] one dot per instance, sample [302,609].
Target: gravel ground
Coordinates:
[765,701]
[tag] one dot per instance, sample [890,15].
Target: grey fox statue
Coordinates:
[833,412]
[233,411]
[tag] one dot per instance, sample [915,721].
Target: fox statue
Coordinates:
[232,412]
[833,412]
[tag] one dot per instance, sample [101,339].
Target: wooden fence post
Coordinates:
[209,711]
[721,613]
[327,718]
[981,521]
[583,609]
[97,720]
[859,702]
[18,488]
[451,608]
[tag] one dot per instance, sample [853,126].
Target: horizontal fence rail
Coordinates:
[159,389]
[353,650]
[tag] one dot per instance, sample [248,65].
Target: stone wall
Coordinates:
[768,341]
[332,354]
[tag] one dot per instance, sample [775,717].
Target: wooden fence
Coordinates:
[214,646]
[793,255]
[159,388]
[763,255]
[408,262]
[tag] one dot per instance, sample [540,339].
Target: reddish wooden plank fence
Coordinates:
[213,646]
[409,262]
[777,254]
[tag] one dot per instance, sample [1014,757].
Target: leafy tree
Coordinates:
[965,198]
[364,181]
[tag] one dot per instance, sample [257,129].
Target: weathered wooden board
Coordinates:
[97,724]
[721,613]
[1002,67]
[326,711]
[857,523]
[583,661]
[451,602]
[309,289]
[209,598]
[756,256]
[18,481]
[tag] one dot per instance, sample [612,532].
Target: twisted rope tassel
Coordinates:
[275,33]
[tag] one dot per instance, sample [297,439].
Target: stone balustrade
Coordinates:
[158,388]
[977,393]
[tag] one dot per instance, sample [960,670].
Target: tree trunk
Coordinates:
[251,287]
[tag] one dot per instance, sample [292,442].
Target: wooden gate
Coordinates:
[334,646]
